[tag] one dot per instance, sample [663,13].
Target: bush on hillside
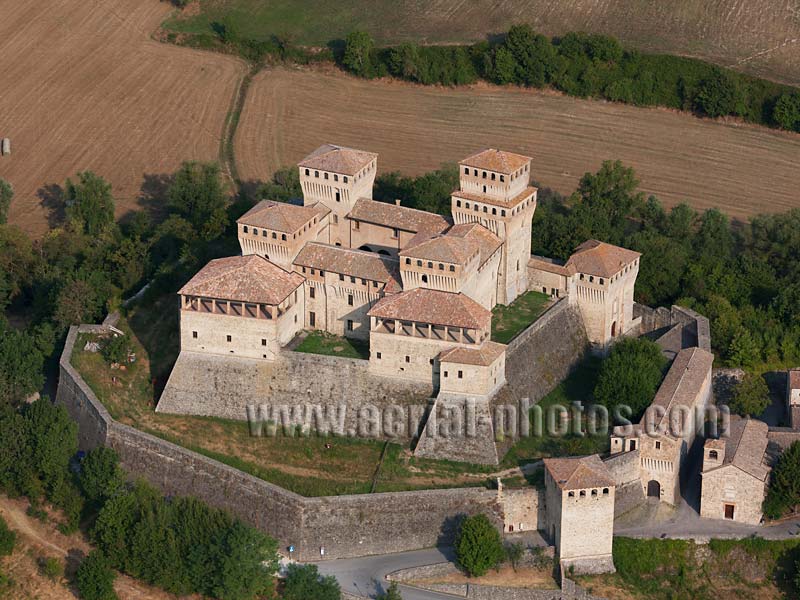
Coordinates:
[7,539]
[478,546]
[95,578]
[304,581]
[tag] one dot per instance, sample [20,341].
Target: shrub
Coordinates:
[117,348]
[101,476]
[784,488]
[7,539]
[95,578]
[304,581]
[478,546]
[751,396]
[51,568]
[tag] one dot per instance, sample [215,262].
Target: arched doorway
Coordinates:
[614,329]
[653,489]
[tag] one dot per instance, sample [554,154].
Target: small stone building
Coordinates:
[735,473]
[579,514]
[670,424]
[793,398]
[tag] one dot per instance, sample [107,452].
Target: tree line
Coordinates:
[582,65]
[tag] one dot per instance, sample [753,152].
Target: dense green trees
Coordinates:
[478,545]
[89,204]
[430,192]
[304,581]
[751,396]
[196,194]
[95,578]
[585,65]
[7,539]
[784,488]
[630,375]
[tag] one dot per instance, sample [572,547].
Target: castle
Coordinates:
[419,287]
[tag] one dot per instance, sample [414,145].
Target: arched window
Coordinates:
[424,279]
[713,455]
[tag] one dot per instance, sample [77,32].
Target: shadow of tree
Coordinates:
[153,193]
[51,197]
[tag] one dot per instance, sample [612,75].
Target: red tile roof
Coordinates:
[598,258]
[338,159]
[499,161]
[280,216]
[424,305]
[357,263]
[510,203]
[488,243]
[550,265]
[243,279]
[442,248]
[578,473]
[483,356]
[398,217]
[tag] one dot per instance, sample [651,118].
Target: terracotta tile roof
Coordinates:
[488,243]
[745,446]
[496,160]
[483,356]
[601,259]
[338,159]
[357,263]
[424,305]
[794,379]
[443,248]
[399,217]
[511,203]
[243,279]
[281,216]
[578,473]
[680,386]
[550,265]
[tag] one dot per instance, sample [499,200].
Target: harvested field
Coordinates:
[84,87]
[741,169]
[760,37]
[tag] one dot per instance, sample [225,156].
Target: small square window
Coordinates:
[431,361]
[341,277]
[408,359]
[352,279]
[378,355]
[194,334]
[229,337]
[658,445]
[311,292]
[349,325]
[461,374]
[263,342]
[350,300]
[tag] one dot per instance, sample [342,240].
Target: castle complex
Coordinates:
[418,287]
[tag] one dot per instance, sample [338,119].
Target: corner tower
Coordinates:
[494,191]
[336,177]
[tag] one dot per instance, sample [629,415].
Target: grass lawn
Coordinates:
[577,387]
[320,342]
[508,321]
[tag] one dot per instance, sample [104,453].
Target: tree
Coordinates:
[787,111]
[101,476]
[52,440]
[514,553]
[784,487]
[358,53]
[304,581]
[89,204]
[392,593]
[117,348]
[247,564]
[751,396]
[7,539]
[478,545]
[505,66]
[6,195]
[196,194]
[285,186]
[21,364]
[718,95]
[95,577]
[630,375]
[76,303]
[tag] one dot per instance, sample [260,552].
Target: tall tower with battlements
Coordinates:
[494,191]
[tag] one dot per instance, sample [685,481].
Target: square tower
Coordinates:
[494,191]
[336,177]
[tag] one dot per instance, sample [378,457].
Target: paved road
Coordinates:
[367,576]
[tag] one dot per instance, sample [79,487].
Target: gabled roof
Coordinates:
[338,159]
[499,161]
[483,356]
[550,265]
[579,472]
[243,279]
[398,217]
[488,243]
[598,258]
[281,216]
[745,447]
[423,305]
[443,248]
[356,263]
[680,387]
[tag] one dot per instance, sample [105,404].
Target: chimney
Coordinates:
[397,202]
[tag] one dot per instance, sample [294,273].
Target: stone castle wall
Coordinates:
[625,469]
[344,526]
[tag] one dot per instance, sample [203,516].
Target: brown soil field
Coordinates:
[84,87]
[739,168]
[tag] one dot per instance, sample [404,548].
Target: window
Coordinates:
[307,172]
[338,197]
[503,213]
[349,325]
[326,175]
[345,178]
[274,235]
[583,493]
[341,277]
[658,445]
[350,300]
[458,203]
[374,284]
[430,265]
[712,454]
[356,225]
[431,361]
[229,337]
[445,373]
[316,173]
[264,232]
[255,231]
[594,492]
[244,228]
[312,271]
[336,220]
[602,281]
[502,177]
[283,237]
[461,374]
[493,177]
[335,177]
[475,172]
[494,211]
[605,491]
[466,170]
[263,342]
[312,292]
[571,494]
[419,263]
[352,279]
[484,175]
[408,261]
[408,359]
[452,268]
[312,319]
[395,233]
[424,279]
[378,355]
[194,334]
